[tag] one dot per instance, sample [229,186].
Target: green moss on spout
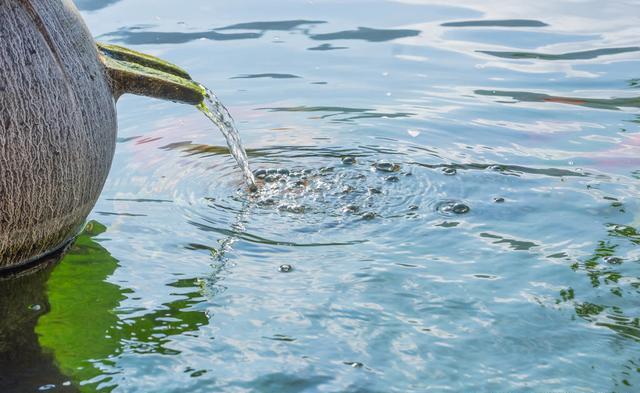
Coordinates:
[138,73]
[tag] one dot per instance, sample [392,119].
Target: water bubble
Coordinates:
[271,178]
[386,166]
[348,160]
[455,207]
[283,171]
[272,171]
[260,173]
[351,208]
[449,171]
[35,307]
[369,216]
[286,268]
[498,199]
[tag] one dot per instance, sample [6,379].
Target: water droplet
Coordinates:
[449,171]
[35,307]
[386,166]
[47,387]
[498,199]
[348,160]
[286,268]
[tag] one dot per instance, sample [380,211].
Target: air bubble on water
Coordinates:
[348,160]
[369,216]
[449,171]
[452,207]
[386,166]
[285,268]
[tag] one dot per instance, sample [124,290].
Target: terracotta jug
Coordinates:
[58,90]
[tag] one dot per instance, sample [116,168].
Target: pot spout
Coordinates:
[141,74]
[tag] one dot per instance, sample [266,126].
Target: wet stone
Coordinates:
[449,171]
[285,268]
[348,160]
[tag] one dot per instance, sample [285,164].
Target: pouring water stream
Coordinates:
[215,111]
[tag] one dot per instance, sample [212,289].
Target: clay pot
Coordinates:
[58,121]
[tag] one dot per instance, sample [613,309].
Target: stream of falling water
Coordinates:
[220,116]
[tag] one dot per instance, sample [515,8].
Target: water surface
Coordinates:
[481,234]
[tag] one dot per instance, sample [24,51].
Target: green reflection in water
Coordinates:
[605,271]
[87,328]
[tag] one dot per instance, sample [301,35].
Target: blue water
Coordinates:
[527,114]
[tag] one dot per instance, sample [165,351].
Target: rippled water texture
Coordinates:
[448,202]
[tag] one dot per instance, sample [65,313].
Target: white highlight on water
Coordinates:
[220,116]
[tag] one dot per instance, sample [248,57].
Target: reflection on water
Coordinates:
[412,232]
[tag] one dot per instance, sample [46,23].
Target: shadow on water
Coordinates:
[63,327]
[582,55]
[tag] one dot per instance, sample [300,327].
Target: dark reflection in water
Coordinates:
[61,328]
[496,23]
[267,75]
[366,34]
[327,47]
[349,113]
[582,55]
[135,37]
[24,365]
[599,103]
[93,5]
[280,25]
